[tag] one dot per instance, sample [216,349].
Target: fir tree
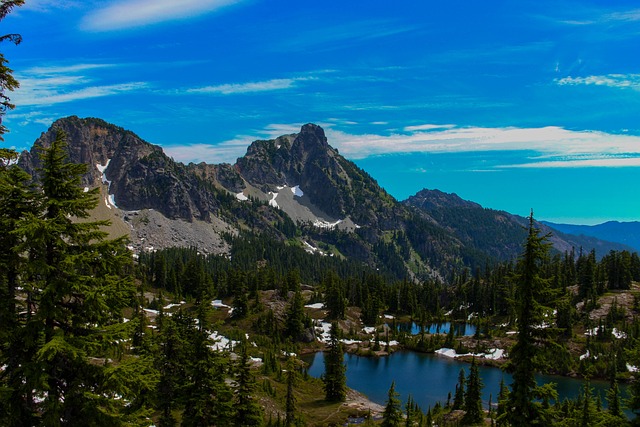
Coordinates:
[248,411]
[525,354]
[290,400]
[458,397]
[7,81]
[76,283]
[295,317]
[473,396]
[334,377]
[392,415]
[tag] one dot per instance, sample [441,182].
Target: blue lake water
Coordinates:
[459,329]
[429,378]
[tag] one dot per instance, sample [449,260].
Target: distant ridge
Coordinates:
[627,233]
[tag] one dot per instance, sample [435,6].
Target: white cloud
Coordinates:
[138,13]
[55,84]
[427,127]
[624,81]
[556,147]
[549,140]
[249,87]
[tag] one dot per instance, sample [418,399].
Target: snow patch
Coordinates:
[240,196]
[218,304]
[317,305]
[112,201]
[369,329]
[312,249]
[86,189]
[297,191]
[326,224]
[273,202]
[632,368]
[492,353]
[618,334]
[324,331]
[221,342]
[584,356]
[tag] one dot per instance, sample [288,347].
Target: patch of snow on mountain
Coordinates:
[101,169]
[632,368]
[297,191]
[326,224]
[86,189]
[273,202]
[317,305]
[218,304]
[240,196]
[112,201]
[106,202]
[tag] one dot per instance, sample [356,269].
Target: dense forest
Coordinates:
[92,334]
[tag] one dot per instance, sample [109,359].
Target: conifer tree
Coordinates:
[247,411]
[458,397]
[473,396]
[392,415]
[290,400]
[76,283]
[334,377]
[295,317]
[525,354]
[208,399]
[7,81]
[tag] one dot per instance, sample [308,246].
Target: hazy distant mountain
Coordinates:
[294,188]
[627,233]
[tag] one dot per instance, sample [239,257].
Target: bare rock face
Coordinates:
[139,174]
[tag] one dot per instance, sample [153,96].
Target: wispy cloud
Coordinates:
[139,13]
[552,147]
[623,81]
[249,87]
[49,85]
[549,141]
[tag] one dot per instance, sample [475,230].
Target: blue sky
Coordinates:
[512,104]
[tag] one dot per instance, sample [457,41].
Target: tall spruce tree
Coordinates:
[247,410]
[334,377]
[8,83]
[392,415]
[531,291]
[458,397]
[75,283]
[473,396]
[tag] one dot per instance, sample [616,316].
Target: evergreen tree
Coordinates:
[295,320]
[290,400]
[334,377]
[458,397]
[392,415]
[248,411]
[473,396]
[208,399]
[532,289]
[75,283]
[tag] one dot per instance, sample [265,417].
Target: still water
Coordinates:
[429,378]
[459,329]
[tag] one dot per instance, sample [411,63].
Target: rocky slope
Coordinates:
[296,188]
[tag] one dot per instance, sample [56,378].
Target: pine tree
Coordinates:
[473,396]
[334,377]
[524,356]
[248,412]
[208,399]
[392,415]
[458,397]
[17,200]
[290,400]
[76,283]
[295,317]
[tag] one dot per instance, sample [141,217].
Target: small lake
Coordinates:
[429,378]
[459,329]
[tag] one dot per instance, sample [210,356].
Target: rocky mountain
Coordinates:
[295,188]
[498,233]
[626,233]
